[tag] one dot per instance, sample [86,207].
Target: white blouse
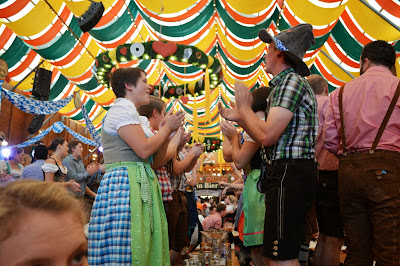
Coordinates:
[52,168]
[246,137]
[124,113]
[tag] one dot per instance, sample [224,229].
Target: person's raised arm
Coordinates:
[265,132]
[189,161]
[144,147]
[241,154]
[198,150]
[167,150]
[227,150]
[226,147]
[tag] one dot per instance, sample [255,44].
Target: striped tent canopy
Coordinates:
[36,30]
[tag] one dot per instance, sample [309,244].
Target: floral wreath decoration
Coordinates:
[165,51]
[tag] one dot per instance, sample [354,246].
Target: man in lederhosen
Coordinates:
[364,131]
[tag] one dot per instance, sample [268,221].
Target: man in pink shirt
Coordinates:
[214,221]
[327,206]
[369,165]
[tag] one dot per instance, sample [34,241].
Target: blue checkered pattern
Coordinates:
[280,45]
[109,228]
[57,127]
[34,139]
[93,132]
[32,106]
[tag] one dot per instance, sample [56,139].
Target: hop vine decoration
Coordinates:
[165,51]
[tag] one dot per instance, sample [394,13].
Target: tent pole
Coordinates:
[83,128]
[380,15]
[87,156]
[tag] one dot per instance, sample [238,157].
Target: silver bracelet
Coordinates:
[162,132]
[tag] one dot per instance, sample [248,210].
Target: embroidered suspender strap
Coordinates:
[385,119]
[342,121]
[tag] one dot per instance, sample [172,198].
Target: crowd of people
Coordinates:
[312,162]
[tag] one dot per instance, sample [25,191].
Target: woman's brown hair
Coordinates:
[155,103]
[123,76]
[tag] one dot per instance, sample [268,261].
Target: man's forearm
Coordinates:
[181,166]
[192,164]
[252,124]
[78,177]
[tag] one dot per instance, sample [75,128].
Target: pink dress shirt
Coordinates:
[213,221]
[327,161]
[365,102]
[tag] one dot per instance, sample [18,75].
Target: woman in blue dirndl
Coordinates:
[128,225]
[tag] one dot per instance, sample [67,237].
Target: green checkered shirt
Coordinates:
[293,92]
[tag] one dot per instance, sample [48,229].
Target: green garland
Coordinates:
[165,51]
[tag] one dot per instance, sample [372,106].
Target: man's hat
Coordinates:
[295,42]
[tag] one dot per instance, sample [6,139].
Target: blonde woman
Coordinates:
[41,224]
[26,160]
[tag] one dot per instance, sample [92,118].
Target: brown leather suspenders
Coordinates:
[342,136]
[381,128]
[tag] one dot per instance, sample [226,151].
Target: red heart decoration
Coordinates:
[171,91]
[123,50]
[164,49]
[184,99]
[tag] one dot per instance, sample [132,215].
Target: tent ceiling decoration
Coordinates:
[180,55]
[32,30]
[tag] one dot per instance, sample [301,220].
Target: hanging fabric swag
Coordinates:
[32,106]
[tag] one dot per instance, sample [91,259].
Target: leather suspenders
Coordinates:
[381,128]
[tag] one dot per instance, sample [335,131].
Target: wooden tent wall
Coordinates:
[14,124]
